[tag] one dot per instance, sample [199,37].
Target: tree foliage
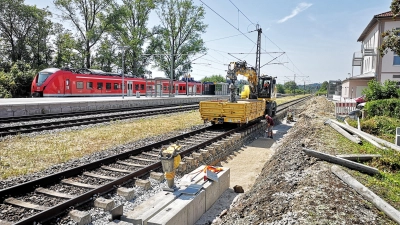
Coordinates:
[290,85]
[91,19]
[324,86]
[131,30]
[391,40]
[214,78]
[179,35]
[280,88]
[377,91]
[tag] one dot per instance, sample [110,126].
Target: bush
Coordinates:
[384,107]
[384,127]
[376,90]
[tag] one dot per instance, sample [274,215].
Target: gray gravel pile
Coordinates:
[94,157]
[294,188]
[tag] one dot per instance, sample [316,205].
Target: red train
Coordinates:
[53,82]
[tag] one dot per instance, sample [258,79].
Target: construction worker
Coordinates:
[270,125]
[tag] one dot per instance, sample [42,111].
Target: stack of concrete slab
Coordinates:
[192,198]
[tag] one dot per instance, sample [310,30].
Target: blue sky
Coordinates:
[318,37]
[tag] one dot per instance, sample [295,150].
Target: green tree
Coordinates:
[290,85]
[391,40]
[131,30]
[91,18]
[65,45]
[106,55]
[179,35]
[280,88]
[214,78]
[324,86]
[22,26]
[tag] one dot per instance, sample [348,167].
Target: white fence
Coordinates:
[344,108]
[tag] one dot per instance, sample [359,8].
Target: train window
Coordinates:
[180,88]
[89,85]
[136,87]
[184,88]
[142,87]
[165,88]
[108,86]
[99,85]
[79,85]
[116,86]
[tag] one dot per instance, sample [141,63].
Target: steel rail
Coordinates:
[29,128]
[6,120]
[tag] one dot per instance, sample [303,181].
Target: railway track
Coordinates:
[40,126]
[38,201]
[8,120]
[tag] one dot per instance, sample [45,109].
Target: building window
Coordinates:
[79,85]
[396,60]
[89,85]
[116,86]
[108,86]
[396,76]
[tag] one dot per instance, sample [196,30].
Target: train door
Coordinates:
[194,89]
[129,88]
[190,91]
[67,89]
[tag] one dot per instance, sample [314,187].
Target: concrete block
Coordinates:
[186,209]
[127,193]
[197,156]
[211,150]
[106,204]
[157,176]
[145,184]
[80,217]
[190,161]
[143,212]
[117,212]
[215,189]
[182,166]
[118,222]
[205,153]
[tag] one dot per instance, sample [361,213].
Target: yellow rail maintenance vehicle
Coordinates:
[256,100]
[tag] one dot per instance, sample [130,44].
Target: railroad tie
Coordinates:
[23,204]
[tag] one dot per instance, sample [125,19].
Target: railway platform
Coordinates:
[16,107]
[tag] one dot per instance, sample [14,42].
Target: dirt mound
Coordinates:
[294,188]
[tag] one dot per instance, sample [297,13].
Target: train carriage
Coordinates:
[53,82]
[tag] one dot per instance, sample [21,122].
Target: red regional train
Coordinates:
[53,82]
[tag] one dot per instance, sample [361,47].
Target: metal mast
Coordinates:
[258,55]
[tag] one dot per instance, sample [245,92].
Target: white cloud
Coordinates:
[299,8]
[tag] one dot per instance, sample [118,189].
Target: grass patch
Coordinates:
[288,98]
[21,155]
[380,126]
[387,183]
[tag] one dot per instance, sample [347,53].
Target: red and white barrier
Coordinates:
[344,108]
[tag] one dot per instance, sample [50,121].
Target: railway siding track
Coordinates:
[40,126]
[42,199]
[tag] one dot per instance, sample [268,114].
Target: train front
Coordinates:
[39,82]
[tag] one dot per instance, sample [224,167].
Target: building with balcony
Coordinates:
[371,65]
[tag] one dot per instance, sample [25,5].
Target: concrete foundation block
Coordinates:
[215,189]
[117,212]
[80,217]
[145,184]
[143,212]
[106,204]
[211,150]
[118,222]
[186,209]
[157,176]
[190,161]
[127,193]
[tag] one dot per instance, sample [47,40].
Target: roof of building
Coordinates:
[372,23]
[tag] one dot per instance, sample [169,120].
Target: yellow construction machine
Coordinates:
[256,100]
